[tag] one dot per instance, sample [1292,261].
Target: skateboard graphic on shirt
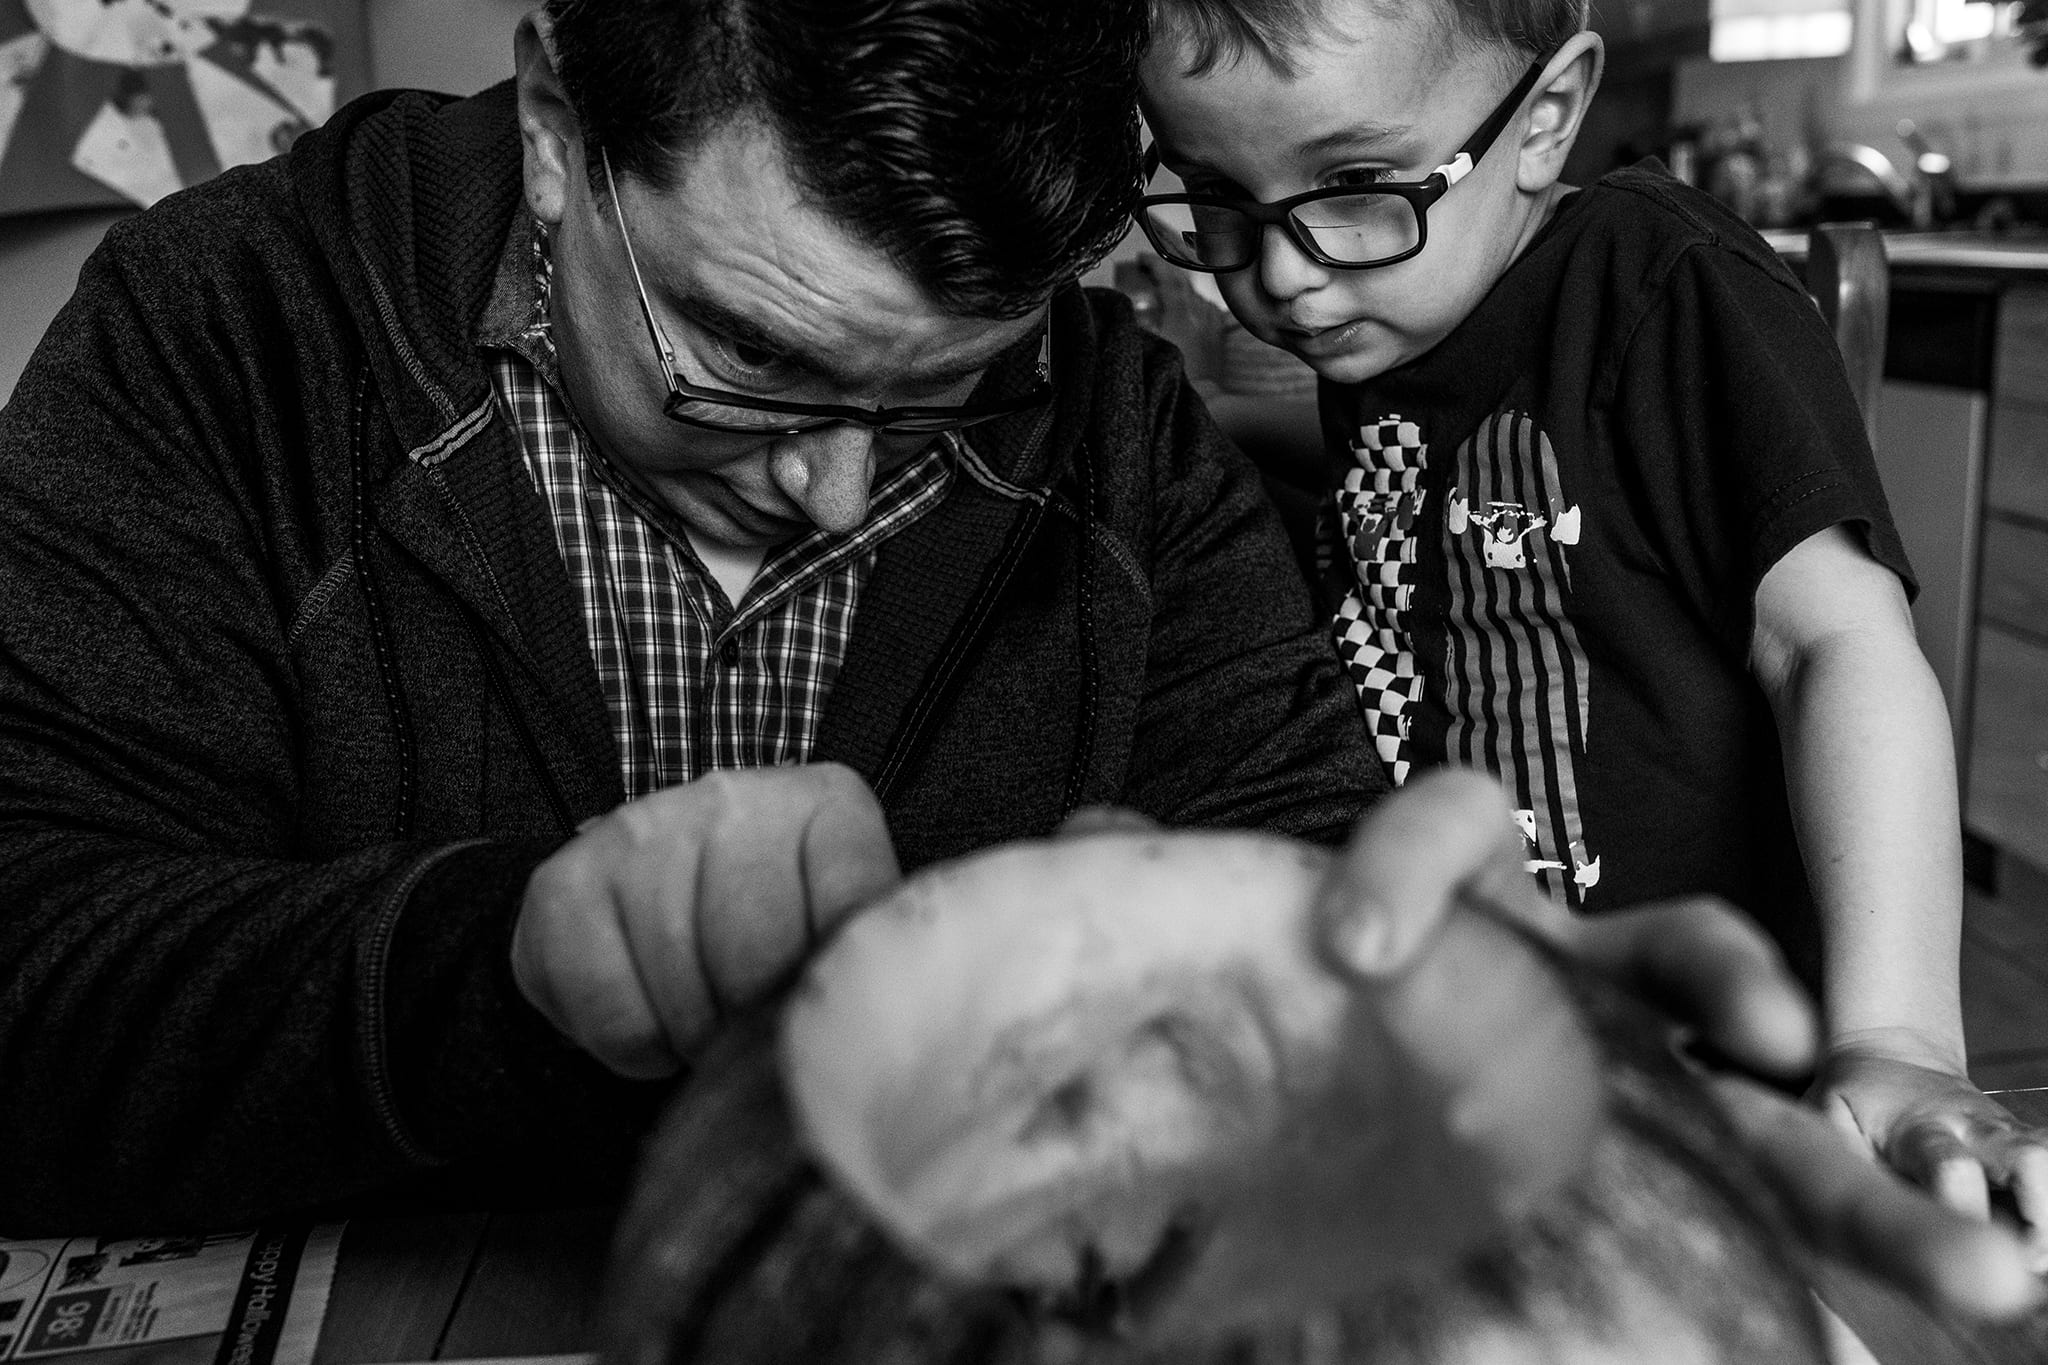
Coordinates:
[1513,679]
[1507,525]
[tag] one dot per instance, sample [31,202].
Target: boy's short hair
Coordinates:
[1225,30]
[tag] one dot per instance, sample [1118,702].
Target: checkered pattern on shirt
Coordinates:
[1376,510]
[691,684]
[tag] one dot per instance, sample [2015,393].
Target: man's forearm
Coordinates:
[197,1039]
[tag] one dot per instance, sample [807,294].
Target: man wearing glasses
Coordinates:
[489,589]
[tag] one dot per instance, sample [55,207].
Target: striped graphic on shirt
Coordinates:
[1515,673]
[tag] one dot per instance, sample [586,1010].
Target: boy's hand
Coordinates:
[1858,1213]
[1444,839]
[658,918]
[1906,1104]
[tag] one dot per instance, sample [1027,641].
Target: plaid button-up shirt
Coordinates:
[692,681]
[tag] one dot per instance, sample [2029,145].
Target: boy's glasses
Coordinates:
[722,410]
[1347,227]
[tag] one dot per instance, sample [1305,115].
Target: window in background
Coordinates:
[1961,21]
[1936,30]
[1753,30]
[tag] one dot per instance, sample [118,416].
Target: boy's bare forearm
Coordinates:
[1871,770]
[1871,774]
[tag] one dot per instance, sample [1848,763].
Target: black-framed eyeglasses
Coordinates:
[1346,227]
[712,409]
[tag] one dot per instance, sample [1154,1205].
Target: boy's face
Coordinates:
[1386,97]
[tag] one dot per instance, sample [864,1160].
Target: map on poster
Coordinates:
[125,101]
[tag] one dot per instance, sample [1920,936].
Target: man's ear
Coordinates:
[1563,95]
[551,140]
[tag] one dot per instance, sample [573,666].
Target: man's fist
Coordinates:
[643,930]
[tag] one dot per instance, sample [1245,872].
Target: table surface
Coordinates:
[464,1286]
[482,1285]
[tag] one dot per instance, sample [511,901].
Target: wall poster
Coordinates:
[107,102]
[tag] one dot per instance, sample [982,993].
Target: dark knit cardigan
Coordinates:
[294,691]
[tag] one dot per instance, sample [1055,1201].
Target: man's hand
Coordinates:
[1929,1123]
[641,932]
[1445,840]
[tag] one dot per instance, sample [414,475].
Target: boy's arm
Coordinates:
[1871,768]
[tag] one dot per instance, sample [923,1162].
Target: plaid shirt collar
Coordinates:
[690,683]
[515,318]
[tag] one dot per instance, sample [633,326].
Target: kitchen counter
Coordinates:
[2019,253]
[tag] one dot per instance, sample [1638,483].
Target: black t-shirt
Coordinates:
[1551,529]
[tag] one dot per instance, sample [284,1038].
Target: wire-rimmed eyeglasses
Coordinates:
[711,409]
[1346,227]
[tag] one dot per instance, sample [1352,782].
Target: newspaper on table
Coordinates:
[237,1298]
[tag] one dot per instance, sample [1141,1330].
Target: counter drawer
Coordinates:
[2017,477]
[2013,590]
[2023,345]
[2007,801]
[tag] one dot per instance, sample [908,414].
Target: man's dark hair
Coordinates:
[989,147]
[1226,30]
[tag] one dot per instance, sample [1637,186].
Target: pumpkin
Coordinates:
[1099,1098]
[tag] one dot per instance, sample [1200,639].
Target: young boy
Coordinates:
[1608,523]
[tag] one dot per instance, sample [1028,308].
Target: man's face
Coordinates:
[1385,98]
[761,294]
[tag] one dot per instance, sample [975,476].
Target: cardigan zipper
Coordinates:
[494,679]
[403,736]
[914,733]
